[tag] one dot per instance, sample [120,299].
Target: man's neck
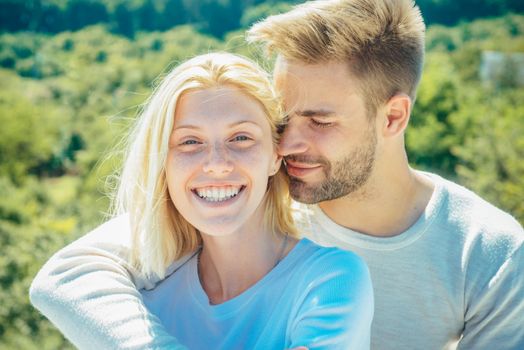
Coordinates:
[386,206]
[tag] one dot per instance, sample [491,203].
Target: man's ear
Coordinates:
[276,165]
[396,115]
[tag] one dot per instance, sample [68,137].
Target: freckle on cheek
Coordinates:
[182,161]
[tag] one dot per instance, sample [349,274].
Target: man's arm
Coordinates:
[90,293]
[495,312]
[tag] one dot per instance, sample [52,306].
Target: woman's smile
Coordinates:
[213,194]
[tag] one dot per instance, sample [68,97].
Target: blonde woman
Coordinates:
[202,178]
[203,175]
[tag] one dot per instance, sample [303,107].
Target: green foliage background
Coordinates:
[69,90]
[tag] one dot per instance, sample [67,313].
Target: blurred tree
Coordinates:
[430,135]
[173,13]
[81,13]
[29,230]
[124,21]
[148,16]
[491,154]
[212,16]
[27,134]
[263,10]
[15,15]
[52,18]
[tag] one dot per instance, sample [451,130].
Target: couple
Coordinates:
[447,267]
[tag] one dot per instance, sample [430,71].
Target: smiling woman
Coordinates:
[203,188]
[211,124]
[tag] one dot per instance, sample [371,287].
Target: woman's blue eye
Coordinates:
[190,142]
[241,138]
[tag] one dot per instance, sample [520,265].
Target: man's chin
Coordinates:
[303,193]
[323,191]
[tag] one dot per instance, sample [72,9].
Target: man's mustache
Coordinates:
[300,158]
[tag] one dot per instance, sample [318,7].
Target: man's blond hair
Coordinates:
[382,41]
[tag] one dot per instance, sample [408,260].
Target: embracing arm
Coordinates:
[90,293]
[336,309]
[495,312]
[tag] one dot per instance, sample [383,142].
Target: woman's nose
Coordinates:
[218,161]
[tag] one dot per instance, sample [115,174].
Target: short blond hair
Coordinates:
[160,234]
[382,41]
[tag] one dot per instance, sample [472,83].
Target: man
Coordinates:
[447,267]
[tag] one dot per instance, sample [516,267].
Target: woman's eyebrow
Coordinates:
[186,126]
[243,122]
[231,125]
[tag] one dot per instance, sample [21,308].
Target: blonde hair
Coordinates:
[382,41]
[160,234]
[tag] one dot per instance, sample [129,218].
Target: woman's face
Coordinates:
[220,157]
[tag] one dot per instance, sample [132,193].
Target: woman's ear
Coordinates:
[275,167]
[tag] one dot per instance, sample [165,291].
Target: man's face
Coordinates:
[330,141]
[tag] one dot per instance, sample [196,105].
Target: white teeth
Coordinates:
[218,194]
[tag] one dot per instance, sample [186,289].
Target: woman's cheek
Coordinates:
[185,158]
[253,156]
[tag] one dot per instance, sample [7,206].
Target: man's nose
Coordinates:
[218,161]
[293,140]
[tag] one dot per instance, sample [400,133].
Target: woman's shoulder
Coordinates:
[337,257]
[335,283]
[322,262]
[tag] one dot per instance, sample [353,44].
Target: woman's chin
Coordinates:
[219,228]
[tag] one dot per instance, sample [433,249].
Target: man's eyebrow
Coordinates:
[315,113]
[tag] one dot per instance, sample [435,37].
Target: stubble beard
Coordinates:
[342,177]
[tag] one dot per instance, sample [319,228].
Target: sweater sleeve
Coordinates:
[90,293]
[495,310]
[336,307]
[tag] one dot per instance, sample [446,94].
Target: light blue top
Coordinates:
[316,297]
